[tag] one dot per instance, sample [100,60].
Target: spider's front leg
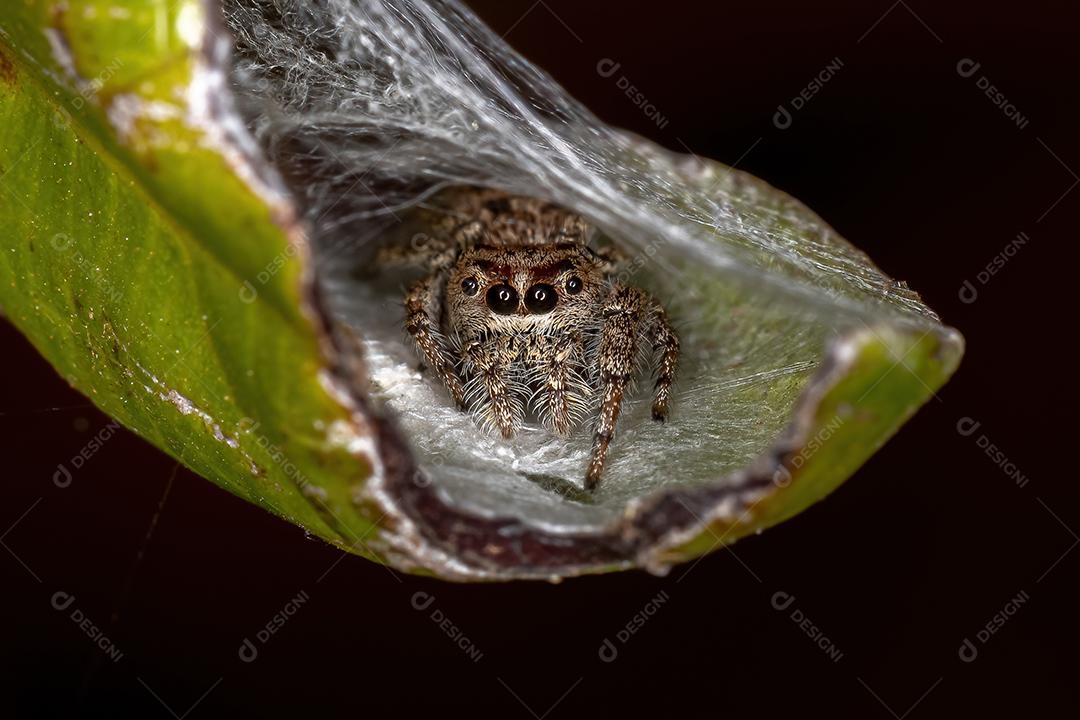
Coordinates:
[627,314]
[419,300]
[493,392]
[560,392]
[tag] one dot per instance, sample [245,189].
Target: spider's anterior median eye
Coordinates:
[540,299]
[470,286]
[574,285]
[503,299]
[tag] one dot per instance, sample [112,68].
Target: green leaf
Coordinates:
[129,237]
[164,262]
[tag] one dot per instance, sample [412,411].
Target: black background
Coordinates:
[917,552]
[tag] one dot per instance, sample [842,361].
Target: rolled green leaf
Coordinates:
[192,194]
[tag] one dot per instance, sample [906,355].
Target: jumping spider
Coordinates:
[519,314]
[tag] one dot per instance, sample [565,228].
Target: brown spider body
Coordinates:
[520,316]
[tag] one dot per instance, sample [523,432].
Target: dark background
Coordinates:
[918,551]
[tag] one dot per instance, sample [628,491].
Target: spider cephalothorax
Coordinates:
[519,317]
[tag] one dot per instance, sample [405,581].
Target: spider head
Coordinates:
[524,288]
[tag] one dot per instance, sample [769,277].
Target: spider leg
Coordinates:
[616,354]
[666,348]
[491,365]
[561,393]
[629,315]
[419,300]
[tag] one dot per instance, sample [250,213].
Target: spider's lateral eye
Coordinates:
[502,299]
[470,286]
[541,298]
[574,285]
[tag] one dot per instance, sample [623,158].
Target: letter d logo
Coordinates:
[781,118]
[422,600]
[782,600]
[968,293]
[607,67]
[967,67]
[248,293]
[62,477]
[967,426]
[248,652]
[62,600]
[608,652]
